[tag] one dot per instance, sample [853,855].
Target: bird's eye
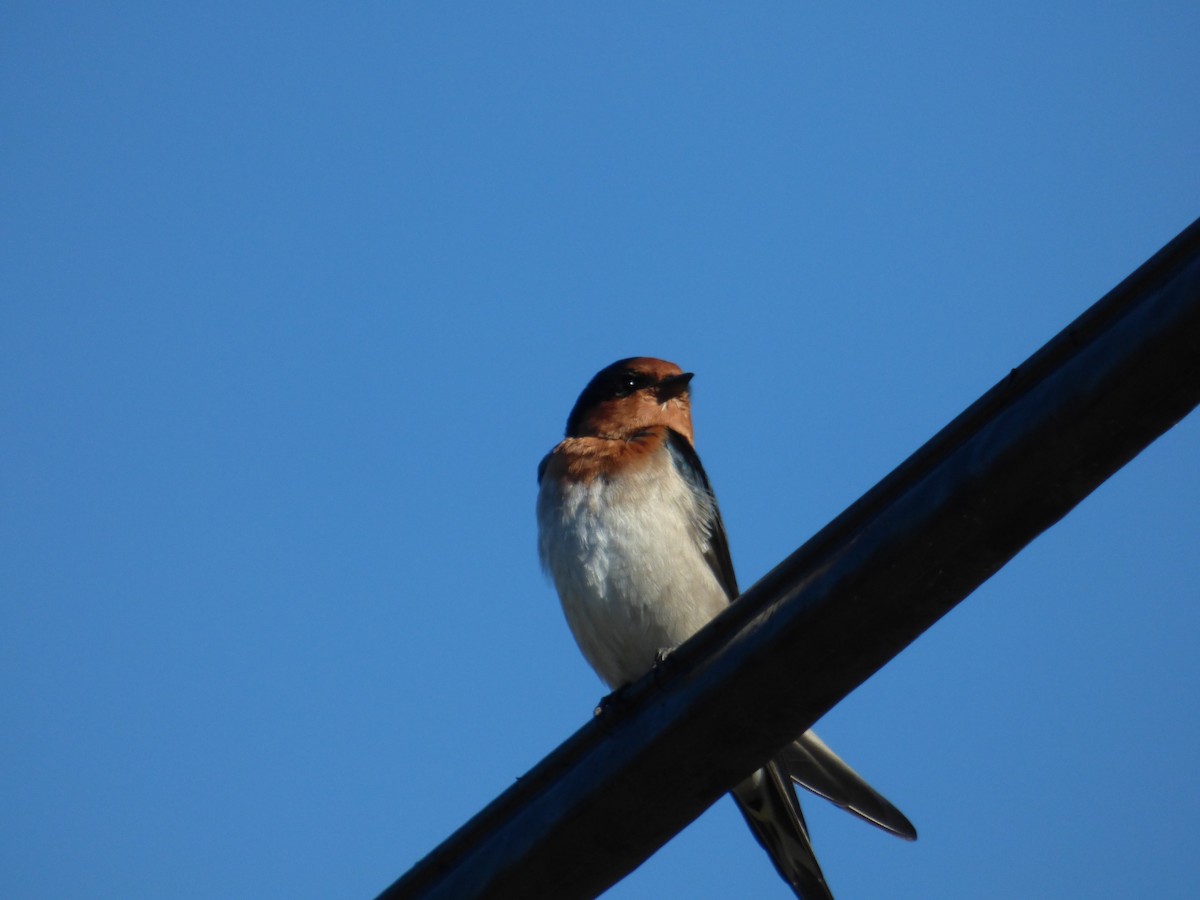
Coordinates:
[628,383]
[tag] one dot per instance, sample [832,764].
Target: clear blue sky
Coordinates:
[295,296]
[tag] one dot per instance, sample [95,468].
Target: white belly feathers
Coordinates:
[627,559]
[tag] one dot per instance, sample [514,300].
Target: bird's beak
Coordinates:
[672,386]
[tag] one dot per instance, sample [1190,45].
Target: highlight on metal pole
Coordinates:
[851,598]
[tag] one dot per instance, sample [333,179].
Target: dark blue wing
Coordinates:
[716,550]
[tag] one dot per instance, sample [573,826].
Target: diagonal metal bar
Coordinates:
[846,602]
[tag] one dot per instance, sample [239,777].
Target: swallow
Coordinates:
[630,534]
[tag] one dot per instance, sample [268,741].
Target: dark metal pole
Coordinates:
[854,596]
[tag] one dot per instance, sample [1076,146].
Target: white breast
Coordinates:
[627,559]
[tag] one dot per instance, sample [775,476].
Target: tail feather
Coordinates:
[768,802]
[814,766]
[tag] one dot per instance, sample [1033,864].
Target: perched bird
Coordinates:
[630,533]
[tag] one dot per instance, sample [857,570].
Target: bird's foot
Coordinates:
[662,664]
[611,702]
[614,701]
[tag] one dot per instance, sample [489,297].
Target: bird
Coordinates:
[630,534]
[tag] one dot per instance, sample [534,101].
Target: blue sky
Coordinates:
[295,297]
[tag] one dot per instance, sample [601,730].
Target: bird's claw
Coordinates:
[613,701]
[662,664]
[610,702]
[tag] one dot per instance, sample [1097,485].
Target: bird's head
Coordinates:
[632,395]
